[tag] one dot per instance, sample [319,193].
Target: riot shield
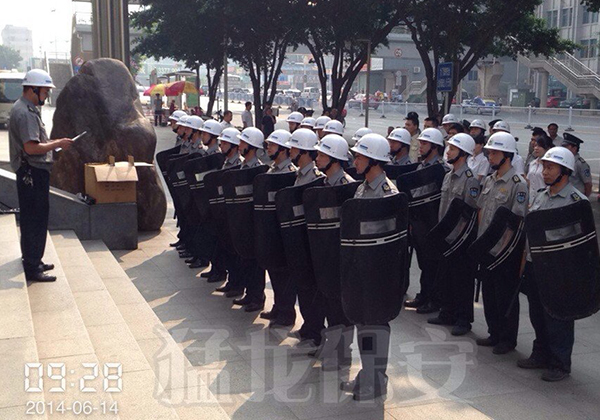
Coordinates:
[373,249]
[501,245]
[178,183]
[322,208]
[195,170]
[393,172]
[238,189]
[213,183]
[290,213]
[267,233]
[163,157]
[456,231]
[566,262]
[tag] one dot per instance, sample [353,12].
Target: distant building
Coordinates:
[20,39]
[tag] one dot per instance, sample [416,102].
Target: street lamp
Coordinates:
[368,41]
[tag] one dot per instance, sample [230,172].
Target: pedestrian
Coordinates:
[227,117]
[268,122]
[172,107]
[31,159]
[581,177]
[534,177]
[553,134]
[158,110]
[411,123]
[399,140]
[247,116]
[478,162]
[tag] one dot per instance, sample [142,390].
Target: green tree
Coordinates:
[9,58]
[341,29]
[466,31]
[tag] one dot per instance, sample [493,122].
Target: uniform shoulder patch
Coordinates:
[575,196]
[386,187]
[516,178]
[474,192]
[469,173]
[521,197]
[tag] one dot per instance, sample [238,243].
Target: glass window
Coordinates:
[10,90]
[593,50]
[566,16]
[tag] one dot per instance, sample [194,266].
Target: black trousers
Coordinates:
[499,288]
[456,288]
[554,338]
[334,312]
[34,204]
[255,279]
[236,278]
[284,291]
[312,307]
[429,264]
[374,347]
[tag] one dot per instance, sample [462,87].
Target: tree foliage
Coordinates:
[9,58]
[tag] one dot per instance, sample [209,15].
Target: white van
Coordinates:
[310,92]
[10,90]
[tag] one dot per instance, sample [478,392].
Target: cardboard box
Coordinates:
[112,182]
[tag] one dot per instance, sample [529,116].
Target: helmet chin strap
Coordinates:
[496,167]
[326,167]
[369,166]
[276,154]
[36,90]
[556,181]
[245,152]
[296,160]
[453,161]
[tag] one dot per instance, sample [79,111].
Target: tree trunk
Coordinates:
[213,87]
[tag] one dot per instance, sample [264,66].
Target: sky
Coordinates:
[47,25]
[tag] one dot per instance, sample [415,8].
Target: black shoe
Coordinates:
[486,342]
[207,274]
[415,303]
[428,308]
[40,277]
[180,247]
[440,320]
[217,278]
[223,289]
[272,314]
[234,293]
[46,267]
[199,263]
[461,329]
[503,348]
[349,386]
[254,306]
[176,244]
[191,260]
[281,322]
[185,254]
[531,363]
[369,392]
[554,375]
[246,300]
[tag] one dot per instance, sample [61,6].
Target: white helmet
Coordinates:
[212,127]
[501,126]
[38,78]
[321,121]
[176,115]
[194,122]
[183,120]
[449,119]
[502,141]
[334,127]
[253,136]
[561,156]
[230,135]
[478,124]
[361,132]
[334,145]
[308,122]
[432,135]
[400,134]
[373,146]
[280,137]
[295,117]
[303,139]
[464,142]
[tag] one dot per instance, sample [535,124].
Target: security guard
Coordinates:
[283,313]
[320,125]
[195,124]
[308,122]
[504,188]
[184,132]
[294,120]
[399,140]
[517,162]
[582,177]
[331,151]
[303,155]
[333,127]
[359,133]
[431,149]
[229,145]
[371,153]
[251,140]
[478,162]
[457,288]
[31,159]
[173,120]
[553,344]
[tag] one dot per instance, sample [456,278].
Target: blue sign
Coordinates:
[444,77]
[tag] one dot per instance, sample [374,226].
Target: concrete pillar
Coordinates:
[110,29]
[593,102]
[543,92]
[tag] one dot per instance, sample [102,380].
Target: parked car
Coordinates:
[554,101]
[362,98]
[480,106]
[576,103]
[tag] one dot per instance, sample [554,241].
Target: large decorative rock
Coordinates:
[103,100]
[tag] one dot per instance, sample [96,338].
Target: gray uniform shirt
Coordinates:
[459,183]
[307,174]
[404,160]
[185,146]
[429,162]
[380,187]
[232,161]
[508,191]
[581,174]
[338,178]
[26,125]
[285,165]
[213,149]
[178,141]
[251,163]
[197,148]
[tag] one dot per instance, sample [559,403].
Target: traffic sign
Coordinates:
[398,52]
[444,77]
[79,61]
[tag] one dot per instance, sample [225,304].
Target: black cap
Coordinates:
[412,116]
[492,123]
[570,138]
[537,131]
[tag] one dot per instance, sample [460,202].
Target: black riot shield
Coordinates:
[290,213]
[322,208]
[213,183]
[566,262]
[195,171]
[501,245]
[373,249]
[178,184]
[456,231]
[393,172]
[267,233]
[238,188]
[163,157]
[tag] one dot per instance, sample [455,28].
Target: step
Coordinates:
[186,381]
[17,341]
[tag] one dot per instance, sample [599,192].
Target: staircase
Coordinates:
[416,87]
[568,70]
[92,315]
